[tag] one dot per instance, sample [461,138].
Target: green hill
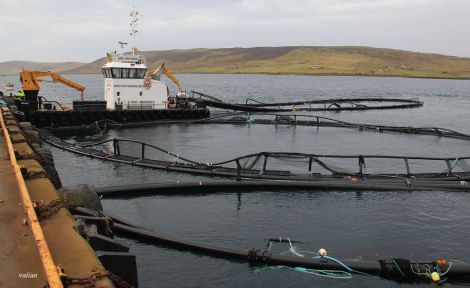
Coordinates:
[13,67]
[346,60]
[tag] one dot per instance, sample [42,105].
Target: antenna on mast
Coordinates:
[140,34]
[134,29]
[122,46]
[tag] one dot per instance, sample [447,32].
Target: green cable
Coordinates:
[448,268]
[267,268]
[398,267]
[335,274]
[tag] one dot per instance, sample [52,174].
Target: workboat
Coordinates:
[129,86]
[132,93]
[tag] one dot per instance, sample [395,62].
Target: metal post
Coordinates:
[238,169]
[118,150]
[39,102]
[143,150]
[361,163]
[114,146]
[265,162]
[449,167]
[310,163]
[408,172]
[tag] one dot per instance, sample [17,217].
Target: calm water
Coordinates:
[357,225]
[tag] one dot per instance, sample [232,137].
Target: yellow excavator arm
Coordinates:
[30,80]
[162,69]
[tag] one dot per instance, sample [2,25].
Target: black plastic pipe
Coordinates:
[250,185]
[458,271]
[372,267]
[215,170]
[382,268]
[212,101]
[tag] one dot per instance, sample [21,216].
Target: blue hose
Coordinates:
[342,264]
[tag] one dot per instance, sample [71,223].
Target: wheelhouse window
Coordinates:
[141,73]
[116,72]
[126,73]
[107,73]
[132,73]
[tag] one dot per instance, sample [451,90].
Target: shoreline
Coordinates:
[330,74]
[294,74]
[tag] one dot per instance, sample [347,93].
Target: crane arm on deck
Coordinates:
[162,69]
[30,80]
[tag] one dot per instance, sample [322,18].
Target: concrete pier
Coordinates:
[34,252]
[20,265]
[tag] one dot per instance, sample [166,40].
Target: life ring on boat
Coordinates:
[147,83]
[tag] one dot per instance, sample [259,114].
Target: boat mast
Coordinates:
[134,29]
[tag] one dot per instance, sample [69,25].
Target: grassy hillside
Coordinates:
[13,67]
[302,60]
[313,60]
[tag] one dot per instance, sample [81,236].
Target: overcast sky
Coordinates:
[84,30]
